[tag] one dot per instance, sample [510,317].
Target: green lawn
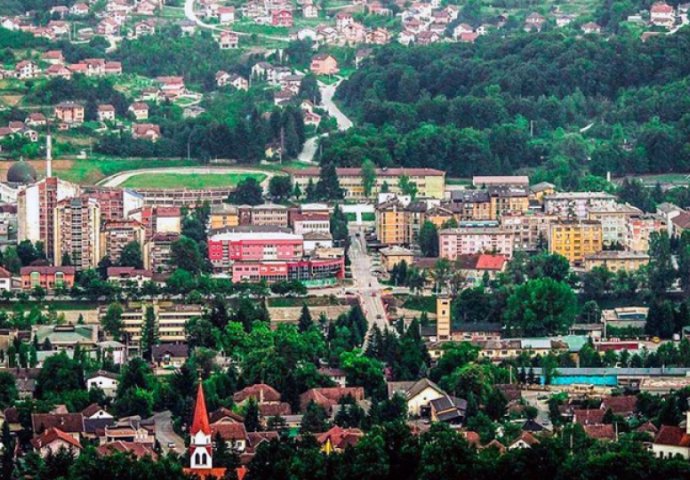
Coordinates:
[251,27]
[176,180]
[92,170]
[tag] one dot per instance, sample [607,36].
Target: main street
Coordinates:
[166,436]
[365,283]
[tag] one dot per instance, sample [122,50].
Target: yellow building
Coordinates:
[222,216]
[617,260]
[541,189]
[391,256]
[393,223]
[575,239]
[170,320]
[439,216]
[508,200]
[430,183]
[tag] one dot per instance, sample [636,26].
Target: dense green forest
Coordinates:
[541,100]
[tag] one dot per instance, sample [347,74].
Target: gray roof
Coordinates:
[412,389]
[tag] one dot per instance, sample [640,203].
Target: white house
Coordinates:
[418,395]
[673,441]
[106,381]
[5,280]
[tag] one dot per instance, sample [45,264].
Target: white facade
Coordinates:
[107,384]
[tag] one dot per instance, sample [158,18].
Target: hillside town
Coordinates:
[362,239]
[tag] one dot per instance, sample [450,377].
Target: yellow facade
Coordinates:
[575,239]
[616,260]
[443,324]
[223,216]
[393,225]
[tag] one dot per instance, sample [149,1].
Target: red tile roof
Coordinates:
[66,422]
[673,436]
[593,416]
[139,450]
[621,405]
[341,437]
[229,431]
[491,262]
[54,434]
[259,392]
[600,432]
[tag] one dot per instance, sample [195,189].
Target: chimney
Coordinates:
[49,156]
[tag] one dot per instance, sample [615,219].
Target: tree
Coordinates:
[149,333]
[8,389]
[248,192]
[496,404]
[314,419]
[328,186]
[131,255]
[27,252]
[251,416]
[66,260]
[185,254]
[368,176]
[407,187]
[305,321]
[365,372]
[428,239]
[280,187]
[112,320]
[660,271]
[540,307]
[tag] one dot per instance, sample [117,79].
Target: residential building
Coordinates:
[576,205]
[115,234]
[49,278]
[672,441]
[470,205]
[303,223]
[443,322]
[485,181]
[661,14]
[106,381]
[106,113]
[140,110]
[616,260]
[26,69]
[614,221]
[116,203]
[227,247]
[507,200]
[35,205]
[77,232]
[226,15]
[575,239]
[455,242]
[170,320]
[531,229]
[393,222]
[324,64]
[393,255]
[146,131]
[228,40]
[158,252]
[129,276]
[70,113]
[639,230]
[52,440]
[282,18]
[5,280]
[418,395]
[158,219]
[265,214]
[305,270]
[430,183]
[223,215]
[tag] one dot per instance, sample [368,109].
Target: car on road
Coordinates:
[378,317]
[171,444]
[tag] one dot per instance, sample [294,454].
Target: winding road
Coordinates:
[120,178]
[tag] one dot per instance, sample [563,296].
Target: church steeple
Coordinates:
[201,444]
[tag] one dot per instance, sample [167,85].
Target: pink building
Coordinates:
[228,247]
[303,270]
[454,242]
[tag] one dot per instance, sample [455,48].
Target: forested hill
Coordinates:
[467,108]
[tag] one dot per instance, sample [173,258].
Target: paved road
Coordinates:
[120,178]
[165,433]
[309,149]
[366,284]
[531,397]
[327,92]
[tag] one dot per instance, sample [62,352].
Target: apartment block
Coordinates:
[508,200]
[575,239]
[639,229]
[393,223]
[49,278]
[614,221]
[228,247]
[158,219]
[77,232]
[311,222]
[470,205]
[223,216]
[158,252]
[455,242]
[266,214]
[115,203]
[577,205]
[531,229]
[301,270]
[616,260]
[115,234]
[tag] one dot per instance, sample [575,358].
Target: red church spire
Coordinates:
[200,421]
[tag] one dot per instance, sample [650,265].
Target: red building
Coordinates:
[47,277]
[282,18]
[228,247]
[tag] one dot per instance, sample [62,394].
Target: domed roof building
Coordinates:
[21,172]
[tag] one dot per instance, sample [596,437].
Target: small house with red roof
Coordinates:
[53,440]
[672,441]
[338,439]
[661,14]
[282,18]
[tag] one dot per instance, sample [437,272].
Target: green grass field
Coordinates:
[175,180]
[92,170]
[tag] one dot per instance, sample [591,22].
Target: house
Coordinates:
[324,64]
[26,69]
[69,423]
[138,450]
[188,27]
[52,440]
[36,120]
[343,19]
[427,38]
[448,409]
[330,396]
[129,276]
[171,87]
[226,15]
[418,395]
[58,27]
[662,14]
[234,435]
[59,11]
[362,54]
[140,110]
[239,82]
[70,113]
[170,354]
[228,40]
[525,440]
[590,27]
[672,441]
[131,429]
[622,405]
[79,9]
[48,278]
[5,280]
[59,71]
[106,113]
[282,18]
[96,412]
[602,432]
[309,10]
[146,27]
[146,131]
[336,375]
[106,381]
[54,57]
[534,22]
[337,439]
[112,68]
